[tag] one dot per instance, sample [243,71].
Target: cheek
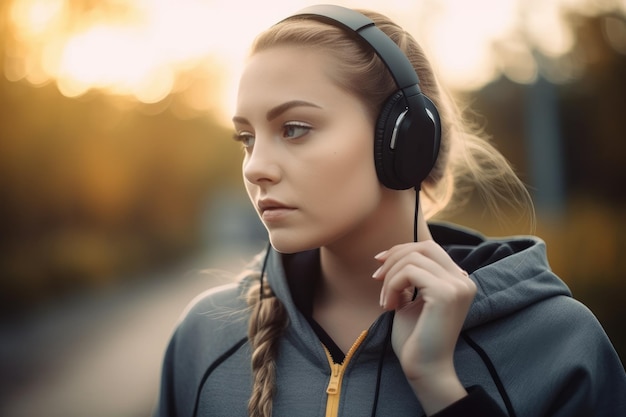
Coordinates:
[248,185]
[249,190]
[348,179]
[353,171]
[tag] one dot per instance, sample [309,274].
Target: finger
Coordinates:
[416,271]
[412,272]
[428,248]
[419,260]
[430,257]
[434,251]
[399,286]
[390,257]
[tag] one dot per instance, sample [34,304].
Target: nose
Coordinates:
[260,165]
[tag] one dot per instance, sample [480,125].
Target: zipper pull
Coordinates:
[333,384]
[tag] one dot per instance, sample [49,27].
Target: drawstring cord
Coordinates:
[379,372]
[492,371]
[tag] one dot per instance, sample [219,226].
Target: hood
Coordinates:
[511,273]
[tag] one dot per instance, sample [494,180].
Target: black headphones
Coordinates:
[408,129]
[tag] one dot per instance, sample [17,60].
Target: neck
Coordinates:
[347,266]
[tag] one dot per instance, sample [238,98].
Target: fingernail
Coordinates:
[382,299]
[377,272]
[380,255]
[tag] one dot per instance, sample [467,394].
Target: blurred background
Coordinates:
[120,194]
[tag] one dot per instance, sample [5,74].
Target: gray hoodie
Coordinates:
[527,349]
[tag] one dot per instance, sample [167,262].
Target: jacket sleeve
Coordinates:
[593,381]
[556,360]
[476,403]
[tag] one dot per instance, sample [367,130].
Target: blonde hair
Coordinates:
[466,161]
[268,320]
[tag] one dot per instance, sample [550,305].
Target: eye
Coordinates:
[295,130]
[246,138]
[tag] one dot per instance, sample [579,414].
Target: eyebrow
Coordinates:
[278,110]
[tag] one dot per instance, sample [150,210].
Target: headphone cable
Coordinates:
[417,205]
[379,372]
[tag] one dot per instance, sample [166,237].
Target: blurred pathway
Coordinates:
[99,356]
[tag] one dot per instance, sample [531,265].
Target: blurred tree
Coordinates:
[94,188]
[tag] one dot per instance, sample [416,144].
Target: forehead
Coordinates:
[286,73]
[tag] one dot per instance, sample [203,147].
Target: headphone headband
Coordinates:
[392,56]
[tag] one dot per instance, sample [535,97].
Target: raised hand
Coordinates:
[427,324]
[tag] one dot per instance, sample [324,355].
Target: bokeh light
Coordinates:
[140,48]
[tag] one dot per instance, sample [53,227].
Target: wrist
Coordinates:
[438,391]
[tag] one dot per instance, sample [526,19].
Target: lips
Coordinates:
[269,204]
[272,210]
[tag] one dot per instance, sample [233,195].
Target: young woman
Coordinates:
[361,307]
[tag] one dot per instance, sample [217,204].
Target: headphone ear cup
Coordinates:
[383,155]
[433,114]
[406,142]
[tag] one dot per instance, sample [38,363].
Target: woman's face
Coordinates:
[308,166]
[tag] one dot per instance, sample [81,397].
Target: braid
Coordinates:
[267,323]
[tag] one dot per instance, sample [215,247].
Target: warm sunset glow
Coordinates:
[140,48]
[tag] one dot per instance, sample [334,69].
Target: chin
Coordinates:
[289,245]
[287,248]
